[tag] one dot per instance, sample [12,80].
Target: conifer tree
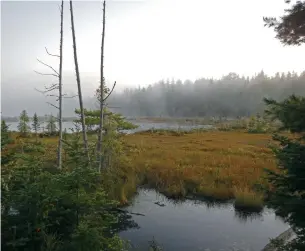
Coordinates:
[23,126]
[51,125]
[36,125]
[288,194]
[5,140]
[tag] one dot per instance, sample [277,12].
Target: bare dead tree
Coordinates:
[56,86]
[100,135]
[82,114]
[59,157]
[102,99]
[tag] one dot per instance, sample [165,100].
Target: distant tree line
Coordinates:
[230,96]
[25,128]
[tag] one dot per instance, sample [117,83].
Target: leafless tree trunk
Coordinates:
[56,86]
[59,157]
[82,115]
[100,136]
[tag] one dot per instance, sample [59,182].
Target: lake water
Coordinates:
[143,126]
[193,225]
[198,225]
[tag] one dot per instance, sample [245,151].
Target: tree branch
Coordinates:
[50,53]
[46,74]
[110,91]
[64,96]
[52,95]
[49,90]
[53,86]
[53,105]
[113,106]
[48,66]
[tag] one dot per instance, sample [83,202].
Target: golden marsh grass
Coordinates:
[222,165]
[216,164]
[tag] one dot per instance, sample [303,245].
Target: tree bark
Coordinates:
[82,115]
[100,136]
[59,157]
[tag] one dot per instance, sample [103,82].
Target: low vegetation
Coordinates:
[222,165]
[58,196]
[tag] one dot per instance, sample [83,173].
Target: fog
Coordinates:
[146,41]
[231,96]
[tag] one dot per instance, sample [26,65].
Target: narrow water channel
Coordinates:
[193,225]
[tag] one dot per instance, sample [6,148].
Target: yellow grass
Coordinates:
[222,165]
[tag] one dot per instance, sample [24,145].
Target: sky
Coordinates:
[145,41]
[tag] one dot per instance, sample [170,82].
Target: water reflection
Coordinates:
[125,221]
[244,216]
[198,224]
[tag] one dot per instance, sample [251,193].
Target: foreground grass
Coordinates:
[216,164]
[221,165]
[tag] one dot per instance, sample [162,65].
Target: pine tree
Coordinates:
[5,140]
[23,126]
[288,194]
[51,125]
[36,125]
[290,29]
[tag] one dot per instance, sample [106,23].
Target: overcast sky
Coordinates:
[146,40]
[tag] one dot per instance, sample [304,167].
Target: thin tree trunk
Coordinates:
[59,157]
[82,115]
[100,136]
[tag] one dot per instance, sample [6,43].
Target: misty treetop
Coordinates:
[230,96]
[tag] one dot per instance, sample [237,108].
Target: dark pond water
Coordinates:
[193,225]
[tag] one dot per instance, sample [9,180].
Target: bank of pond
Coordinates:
[214,179]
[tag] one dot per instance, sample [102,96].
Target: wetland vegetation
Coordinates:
[215,158]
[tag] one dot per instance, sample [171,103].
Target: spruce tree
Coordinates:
[36,125]
[51,125]
[290,28]
[23,126]
[5,140]
[288,194]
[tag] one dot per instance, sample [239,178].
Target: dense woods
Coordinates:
[64,192]
[231,96]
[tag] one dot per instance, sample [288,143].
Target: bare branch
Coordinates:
[53,105]
[50,53]
[52,95]
[46,74]
[70,96]
[48,66]
[53,87]
[113,106]
[39,91]
[43,92]
[110,92]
